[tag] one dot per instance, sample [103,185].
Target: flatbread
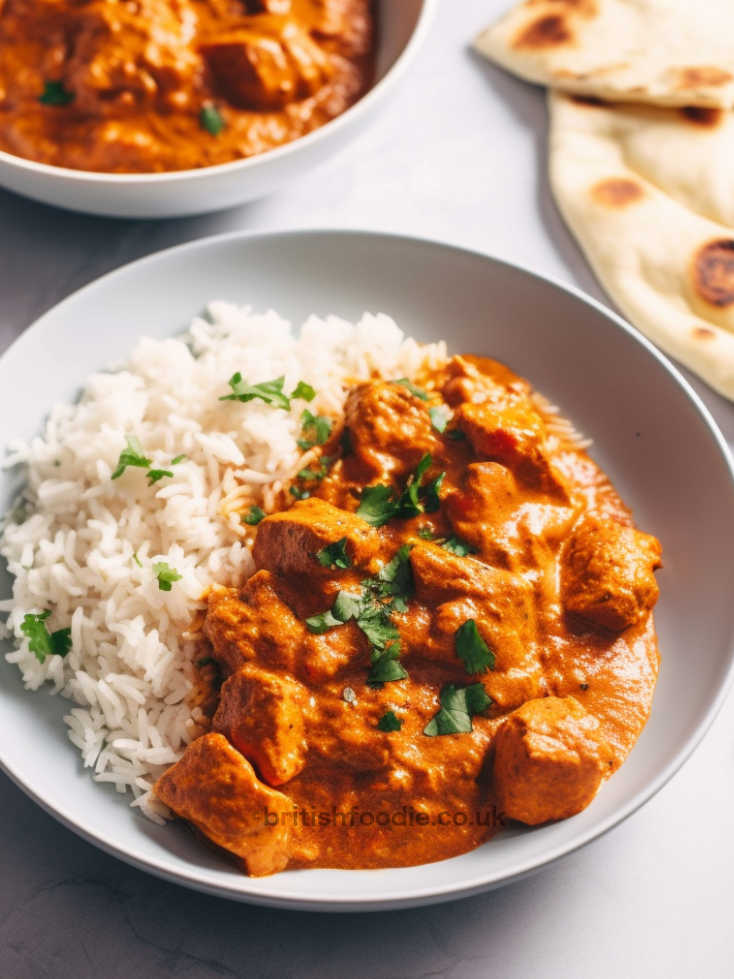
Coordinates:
[642,225]
[663,52]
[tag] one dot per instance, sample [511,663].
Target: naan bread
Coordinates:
[639,215]
[664,52]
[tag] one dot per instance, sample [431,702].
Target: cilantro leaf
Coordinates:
[303,391]
[137,560]
[389,722]
[316,475]
[396,577]
[377,505]
[429,494]
[459,547]
[298,494]
[175,462]
[439,417]
[322,623]
[253,516]
[210,119]
[131,456]
[458,705]
[334,555]
[155,474]
[271,392]
[165,574]
[41,642]
[406,383]
[386,667]
[54,93]
[425,533]
[472,650]
[315,429]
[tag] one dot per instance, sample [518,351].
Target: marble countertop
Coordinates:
[459,155]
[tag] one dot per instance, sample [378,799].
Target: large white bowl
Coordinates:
[402,27]
[651,434]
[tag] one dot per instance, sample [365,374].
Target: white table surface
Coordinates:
[459,155]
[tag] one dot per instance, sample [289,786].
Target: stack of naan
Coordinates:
[642,156]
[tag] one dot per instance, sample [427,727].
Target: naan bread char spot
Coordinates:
[702,117]
[713,272]
[700,76]
[617,192]
[546,32]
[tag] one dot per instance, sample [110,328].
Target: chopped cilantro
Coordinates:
[418,392]
[459,547]
[131,456]
[54,93]
[396,577]
[458,706]
[439,417]
[315,429]
[389,722]
[425,533]
[175,462]
[472,650]
[334,555]
[137,560]
[210,119]
[378,504]
[386,667]
[155,474]
[41,642]
[303,391]
[322,622]
[165,574]
[316,475]
[271,392]
[253,516]
[298,494]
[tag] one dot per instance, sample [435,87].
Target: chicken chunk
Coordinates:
[549,760]
[216,789]
[126,56]
[288,542]
[514,434]
[262,715]
[390,428]
[607,573]
[500,603]
[254,624]
[267,69]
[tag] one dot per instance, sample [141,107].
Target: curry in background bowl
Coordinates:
[145,86]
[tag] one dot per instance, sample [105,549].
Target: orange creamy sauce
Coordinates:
[296,771]
[130,78]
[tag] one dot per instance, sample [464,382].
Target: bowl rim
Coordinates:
[351,115]
[425,893]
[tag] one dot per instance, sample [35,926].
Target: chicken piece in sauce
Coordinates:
[415,654]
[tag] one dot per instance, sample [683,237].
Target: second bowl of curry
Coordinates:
[164,108]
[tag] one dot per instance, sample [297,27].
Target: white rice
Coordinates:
[129,672]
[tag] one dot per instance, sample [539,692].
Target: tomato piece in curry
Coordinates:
[451,630]
[131,86]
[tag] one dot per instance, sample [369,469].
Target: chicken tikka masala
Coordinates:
[450,626]
[156,85]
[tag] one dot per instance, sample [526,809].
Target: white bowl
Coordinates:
[402,27]
[651,434]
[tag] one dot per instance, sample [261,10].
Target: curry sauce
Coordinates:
[154,85]
[450,627]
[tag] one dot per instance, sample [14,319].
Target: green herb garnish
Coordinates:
[379,504]
[253,516]
[425,533]
[41,642]
[303,391]
[165,574]
[418,392]
[155,474]
[175,462]
[298,494]
[459,547]
[334,555]
[271,392]
[137,560]
[458,706]
[315,429]
[54,93]
[472,650]
[131,456]
[210,119]
[389,722]
[439,417]
[316,475]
